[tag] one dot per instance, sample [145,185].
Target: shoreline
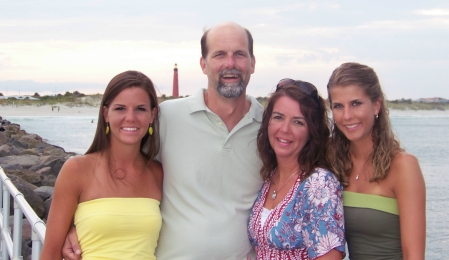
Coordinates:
[46,110]
[83,110]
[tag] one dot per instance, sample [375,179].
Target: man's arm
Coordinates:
[71,249]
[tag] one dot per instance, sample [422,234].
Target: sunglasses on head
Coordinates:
[305,87]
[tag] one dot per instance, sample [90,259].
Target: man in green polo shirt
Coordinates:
[209,155]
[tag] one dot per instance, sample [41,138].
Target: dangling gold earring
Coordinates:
[107,128]
[150,130]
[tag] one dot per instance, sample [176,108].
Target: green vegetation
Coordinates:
[79,99]
[410,105]
[74,99]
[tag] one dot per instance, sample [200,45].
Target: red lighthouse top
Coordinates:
[175,82]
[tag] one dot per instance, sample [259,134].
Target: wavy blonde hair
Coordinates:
[385,144]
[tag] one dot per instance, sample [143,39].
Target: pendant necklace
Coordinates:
[273,196]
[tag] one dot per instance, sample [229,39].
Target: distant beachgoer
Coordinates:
[298,214]
[92,121]
[385,194]
[113,192]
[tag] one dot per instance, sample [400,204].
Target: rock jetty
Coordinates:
[32,165]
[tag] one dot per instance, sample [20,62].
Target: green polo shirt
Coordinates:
[211,179]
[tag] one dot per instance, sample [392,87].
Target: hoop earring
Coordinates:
[150,130]
[107,128]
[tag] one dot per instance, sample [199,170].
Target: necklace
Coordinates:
[357,177]
[273,196]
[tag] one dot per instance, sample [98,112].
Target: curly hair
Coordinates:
[313,154]
[385,144]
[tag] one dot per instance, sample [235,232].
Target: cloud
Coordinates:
[433,12]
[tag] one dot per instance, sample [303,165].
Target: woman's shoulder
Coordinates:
[404,163]
[405,168]
[323,172]
[403,157]
[80,162]
[156,169]
[79,165]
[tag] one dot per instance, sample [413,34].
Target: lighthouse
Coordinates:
[175,82]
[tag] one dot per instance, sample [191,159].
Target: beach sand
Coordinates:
[46,110]
[84,110]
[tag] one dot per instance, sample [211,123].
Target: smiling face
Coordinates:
[228,64]
[129,116]
[288,132]
[353,112]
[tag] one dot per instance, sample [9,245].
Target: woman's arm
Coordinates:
[64,203]
[326,223]
[334,254]
[410,193]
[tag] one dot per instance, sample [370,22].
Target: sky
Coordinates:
[51,47]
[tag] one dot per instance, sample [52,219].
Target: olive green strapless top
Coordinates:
[372,226]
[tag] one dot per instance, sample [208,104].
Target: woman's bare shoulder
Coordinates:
[80,164]
[406,172]
[404,162]
[156,169]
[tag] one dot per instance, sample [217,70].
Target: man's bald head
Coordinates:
[204,49]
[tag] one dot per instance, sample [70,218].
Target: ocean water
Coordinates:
[73,133]
[425,136]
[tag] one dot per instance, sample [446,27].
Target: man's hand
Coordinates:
[71,249]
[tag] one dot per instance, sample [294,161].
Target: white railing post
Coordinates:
[36,246]
[12,248]
[17,233]
[6,231]
[2,245]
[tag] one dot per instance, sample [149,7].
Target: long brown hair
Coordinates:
[385,144]
[313,154]
[149,145]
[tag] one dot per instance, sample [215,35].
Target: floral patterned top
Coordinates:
[306,224]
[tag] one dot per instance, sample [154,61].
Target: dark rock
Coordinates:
[19,145]
[28,176]
[36,202]
[42,146]
[26,161]
[47,205]
[30,139]
[12,128]
[7,150]
[17,135]
[54,151]
[12,167]
[49,180]
[44,192]
[44,171]
[3,138]
[16,179]
[55,163]
[32,151]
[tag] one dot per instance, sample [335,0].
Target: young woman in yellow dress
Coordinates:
[384,197]
[112,193]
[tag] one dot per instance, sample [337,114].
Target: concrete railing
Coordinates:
[11,247]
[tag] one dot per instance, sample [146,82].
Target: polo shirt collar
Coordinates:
[196,103]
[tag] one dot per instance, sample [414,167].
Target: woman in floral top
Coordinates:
[298,213]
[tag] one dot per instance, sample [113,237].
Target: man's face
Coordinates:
[228,64]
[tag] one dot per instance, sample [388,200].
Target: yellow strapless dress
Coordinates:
[118,228]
